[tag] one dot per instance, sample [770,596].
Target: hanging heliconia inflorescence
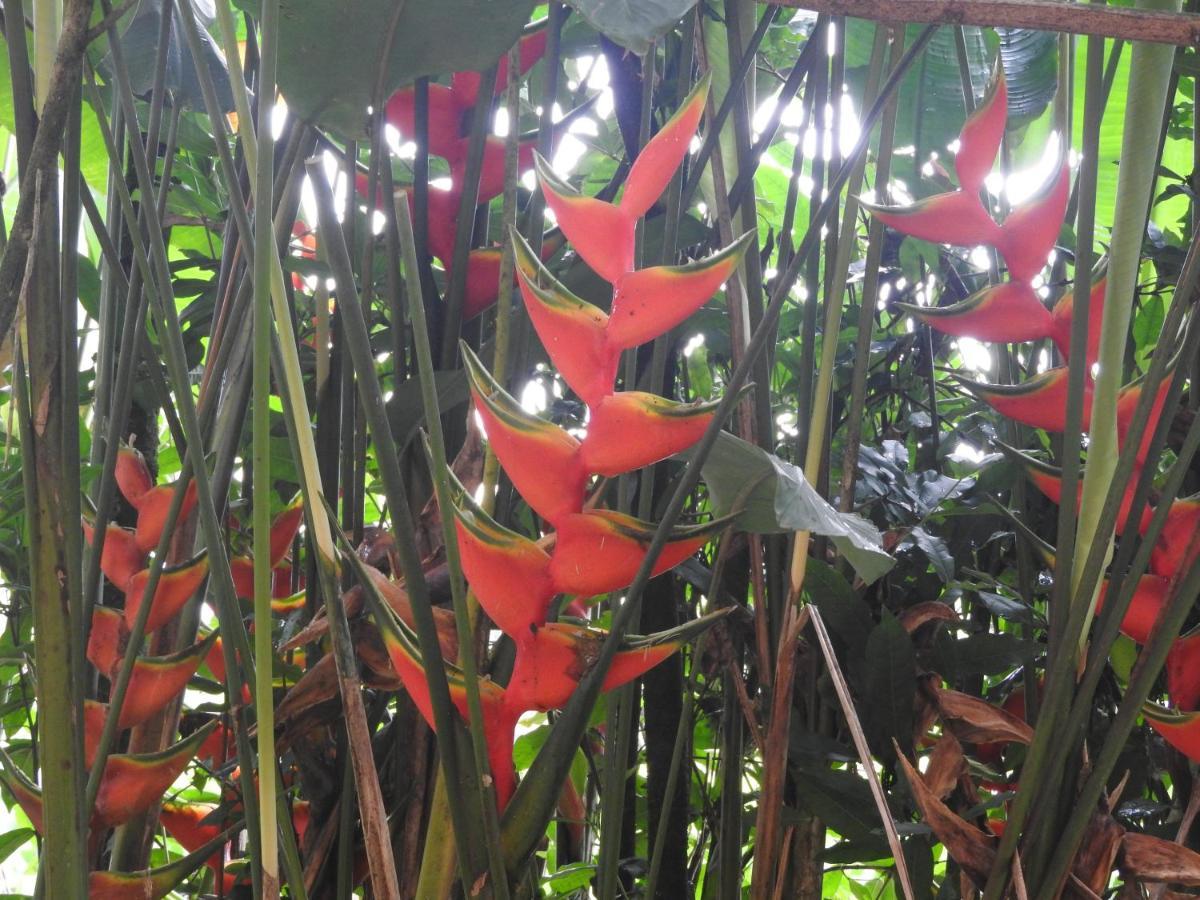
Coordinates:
[449,117]
[1013,312]
[134,783]
[590,551]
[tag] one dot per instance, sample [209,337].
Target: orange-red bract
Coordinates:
[175,587]
[152,510]
[632,429]
[121,557]
[541,459]
[1064,311]
[1006,312]
[1040,402]
[600,550]
[979,139]
[1028,234]
[955,218]
[1170,556]
[132,784]
[601,233]
[1180,729]
[658,160]
[649,302]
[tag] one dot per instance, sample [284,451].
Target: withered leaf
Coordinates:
[929,611]
[1094,863]
[978,721]
[966,844]
[1149,858]
[946,764]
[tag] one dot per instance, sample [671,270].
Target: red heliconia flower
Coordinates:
[444,126]
[1040,402]
[1048,480]
[121,558]
[1183,671]
[191,826]
[530,49]
[1178,728]
[509,574]
[1060,329]
[150,884]
[175,587]
[663,428]
[956,217]
[131,783]
[1008,312]
[602,233]
[980,137]
[1028,234]
[1144,608]
[600,550]
[151,502]
[1127,401]
[1170,556]
[283,531]
[542,459]
[155,681]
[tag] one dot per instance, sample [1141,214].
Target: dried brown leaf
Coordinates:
[973,850]
[929,611]
[978,721]
[1093,864]
[946,764]
[1149,858]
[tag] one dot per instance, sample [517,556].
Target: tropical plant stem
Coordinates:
[264,247]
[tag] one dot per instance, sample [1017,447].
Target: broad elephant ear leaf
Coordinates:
[633,23]
[769,495]
[330,53]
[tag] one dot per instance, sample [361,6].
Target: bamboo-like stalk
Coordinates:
[260,430]
[1149,70]
[533,802]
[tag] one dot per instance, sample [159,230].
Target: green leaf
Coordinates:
[633,23]
[841,609]
[841,799]
[12,841]
[570,879]
[890,683]
[980,654]
[330,53]
[914,252]
[770,495]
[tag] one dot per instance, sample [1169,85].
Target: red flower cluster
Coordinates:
[1013,312]
[591,551]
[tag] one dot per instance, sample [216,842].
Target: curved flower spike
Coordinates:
[175,587]
[1170,555]
[956,218]
[663,153]
[1179,729]
[979,140]
[1008,312]
[132,474]
[1062,313]
[651,301]
[1183,671]
[541,459]
[153,507]
[602,234]
[120,558]
[132,784]
[662,428]
[555,657]
[1144,608]
[1040,402]
[1028,234]
[154,884]
[573,331]
[600,550]
[509,573]
[466,84]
